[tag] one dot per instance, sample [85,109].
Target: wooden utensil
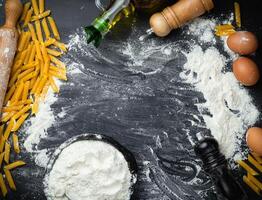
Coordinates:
[8,44]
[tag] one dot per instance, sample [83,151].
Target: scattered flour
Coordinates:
[230,106]
[96,172]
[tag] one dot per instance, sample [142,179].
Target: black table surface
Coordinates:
[148,113]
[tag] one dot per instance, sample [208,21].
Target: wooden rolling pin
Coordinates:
[8,43]
[177,15]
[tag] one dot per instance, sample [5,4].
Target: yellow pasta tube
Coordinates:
[12,108]
[54,52]
[35,7]
[57,62]
[29,65]
[35,86]
[237,14]
[22,103]
[29,50]
[41,16]
[16,143]
[1,130]
[32,55]
[42,65]
[255,163]
[255,181]
[29,76]
[7,152]
[18,92]
[247,168]
[53,84]
[46,28]
[27,40]
[14,78]
[39,31]
[35,106]
[61,46]
[9,179]
[32,82]
[2,185]
[38,50]
[10,92]
[54,28]
[23,55]
[8,116]
[41,85]
[24,73]
[25,10]
[46,67]
[251,185]
[58,75]
[28,17]
[1,159]
[14,165]
[25,91]
[2,144]
[22,42]
[9,129]
[32,31]
[19,122]
[57,69]
[49,42]
[41,6]
[45,54]
[45,90]
[21,112]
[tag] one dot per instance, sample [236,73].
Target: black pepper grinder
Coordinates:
[215,165]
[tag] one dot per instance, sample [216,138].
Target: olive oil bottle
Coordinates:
[118,9]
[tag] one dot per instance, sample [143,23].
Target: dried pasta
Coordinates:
[251,185]
[35,7]
[16,143]
[39,31]
[237,14]
[9,179]
[14,165]
[7,152]
[25,10]
[41,6]
[247,168]
[28,17]
[2,185]
[41,16]
[46,28]
[54,28]
[254,162]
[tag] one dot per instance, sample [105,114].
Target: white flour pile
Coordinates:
[89,170]
[230,105]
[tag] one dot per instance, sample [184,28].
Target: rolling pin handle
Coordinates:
[13,10]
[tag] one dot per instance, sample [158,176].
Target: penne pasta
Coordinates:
[41,6]
[21,112]
[22,103]
[39,31]
[22,42]
[46,28]
[1,159]
[35,7]
[9,129]
[8,116]
[10,179]
[57,62]
[61,46]
[49,42]
[25,73]
[28,17]
[14,165]
[11,108]
[254,162]
[29,76]
[35,86]
[237,14]
[32,55]
[7,152]
[54,52]
[32,82]
[46,67]
[251,185]
[29,50]
[38,50]
[41,16]
[58,75]
[35,106]
[25,91]
[255,181]
[2,145]
[41,85]
[9,94]
[53,85]
[16,143]
[32,31]
[18,92]
[45,54]
[247,168]
[19,122]
[29,65]
[54,28]
[25,11]
[3,186]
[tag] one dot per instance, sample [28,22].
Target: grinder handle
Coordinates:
[13,10]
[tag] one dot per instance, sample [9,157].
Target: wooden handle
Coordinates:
[13,10]
[178,14]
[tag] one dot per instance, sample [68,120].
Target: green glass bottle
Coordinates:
[103,24]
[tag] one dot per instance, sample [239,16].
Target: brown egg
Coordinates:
[254,140]
[246,71]
[242,42]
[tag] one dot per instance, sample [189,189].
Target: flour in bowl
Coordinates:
[88,169]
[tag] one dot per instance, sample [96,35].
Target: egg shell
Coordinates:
[243,42]
[254,140]
[246,71]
